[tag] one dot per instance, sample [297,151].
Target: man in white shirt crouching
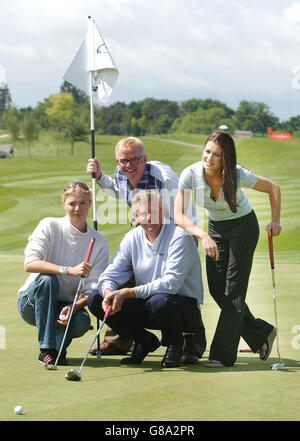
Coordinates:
[166,265]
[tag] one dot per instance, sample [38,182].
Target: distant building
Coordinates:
[7,150]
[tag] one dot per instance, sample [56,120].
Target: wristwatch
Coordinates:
[63,271]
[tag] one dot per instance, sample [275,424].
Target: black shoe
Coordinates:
[141,349]
[172,357]
[189,358]
[47,358]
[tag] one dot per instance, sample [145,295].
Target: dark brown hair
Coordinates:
[229,178]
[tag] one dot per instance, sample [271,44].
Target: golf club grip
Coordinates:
[271,254]
[89,251]
[107,312]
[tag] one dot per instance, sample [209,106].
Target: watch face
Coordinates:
[64,271]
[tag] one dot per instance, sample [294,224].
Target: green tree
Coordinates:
[194,104]
[162,124]
[60,110]
[79,96]
[201,121]
[40,115]
[5,98]
[255,116]
[292,125]
[142,124]
[30,130]
[152,109]
[111,118]
[127,124]
[11,122]
[75,131]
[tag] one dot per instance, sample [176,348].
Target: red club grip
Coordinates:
[89,251]
[271,254]
[107,311]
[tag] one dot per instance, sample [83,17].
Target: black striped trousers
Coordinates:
[228,282]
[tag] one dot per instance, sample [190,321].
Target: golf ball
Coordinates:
[18,410]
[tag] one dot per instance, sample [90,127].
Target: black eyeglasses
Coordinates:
[132,161]
[75,183]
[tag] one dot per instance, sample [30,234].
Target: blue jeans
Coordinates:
[38,306]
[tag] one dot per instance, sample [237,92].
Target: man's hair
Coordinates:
[143,197]
[128,143]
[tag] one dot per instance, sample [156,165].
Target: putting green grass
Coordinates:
[29,191]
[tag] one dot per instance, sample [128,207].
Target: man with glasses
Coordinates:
[134,173]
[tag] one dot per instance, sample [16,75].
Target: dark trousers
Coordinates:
[193,342]
[173,314]
[228,282]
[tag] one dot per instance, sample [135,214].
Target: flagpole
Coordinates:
[92,58]
[92,116]
[93,152]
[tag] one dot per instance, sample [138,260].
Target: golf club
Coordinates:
[73,375]
[274,366]
[78,292]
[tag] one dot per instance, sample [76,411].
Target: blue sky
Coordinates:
[166,49]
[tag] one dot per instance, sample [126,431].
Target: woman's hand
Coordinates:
[64,315]
[273,228]
[82,269]
[209,246]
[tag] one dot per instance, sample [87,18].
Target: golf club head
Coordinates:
[50,367]
[276,366]
[73,375]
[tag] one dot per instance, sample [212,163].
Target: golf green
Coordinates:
[29,190]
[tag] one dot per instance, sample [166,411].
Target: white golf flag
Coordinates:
[93,56]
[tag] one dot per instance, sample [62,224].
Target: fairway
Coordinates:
[29,191]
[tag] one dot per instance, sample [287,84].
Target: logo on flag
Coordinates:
[102,49]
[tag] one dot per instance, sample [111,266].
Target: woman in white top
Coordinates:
[55,257]
[230,242]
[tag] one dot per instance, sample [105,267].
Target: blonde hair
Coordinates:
[80,187]
[130,142]
[144,197]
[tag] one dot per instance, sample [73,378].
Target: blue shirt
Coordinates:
[169,265]
[157,176]
[192,178]
[148,181]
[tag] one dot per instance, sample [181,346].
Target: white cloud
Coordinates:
[293,12]
[174,49]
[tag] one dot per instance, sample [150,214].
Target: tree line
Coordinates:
[68,113]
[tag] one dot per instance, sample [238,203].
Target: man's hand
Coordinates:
[94,166]
[116,299]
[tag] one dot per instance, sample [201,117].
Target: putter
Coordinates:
[72,374]
[78,292]
[280,364]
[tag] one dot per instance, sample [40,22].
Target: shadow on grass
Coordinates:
[243,364]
